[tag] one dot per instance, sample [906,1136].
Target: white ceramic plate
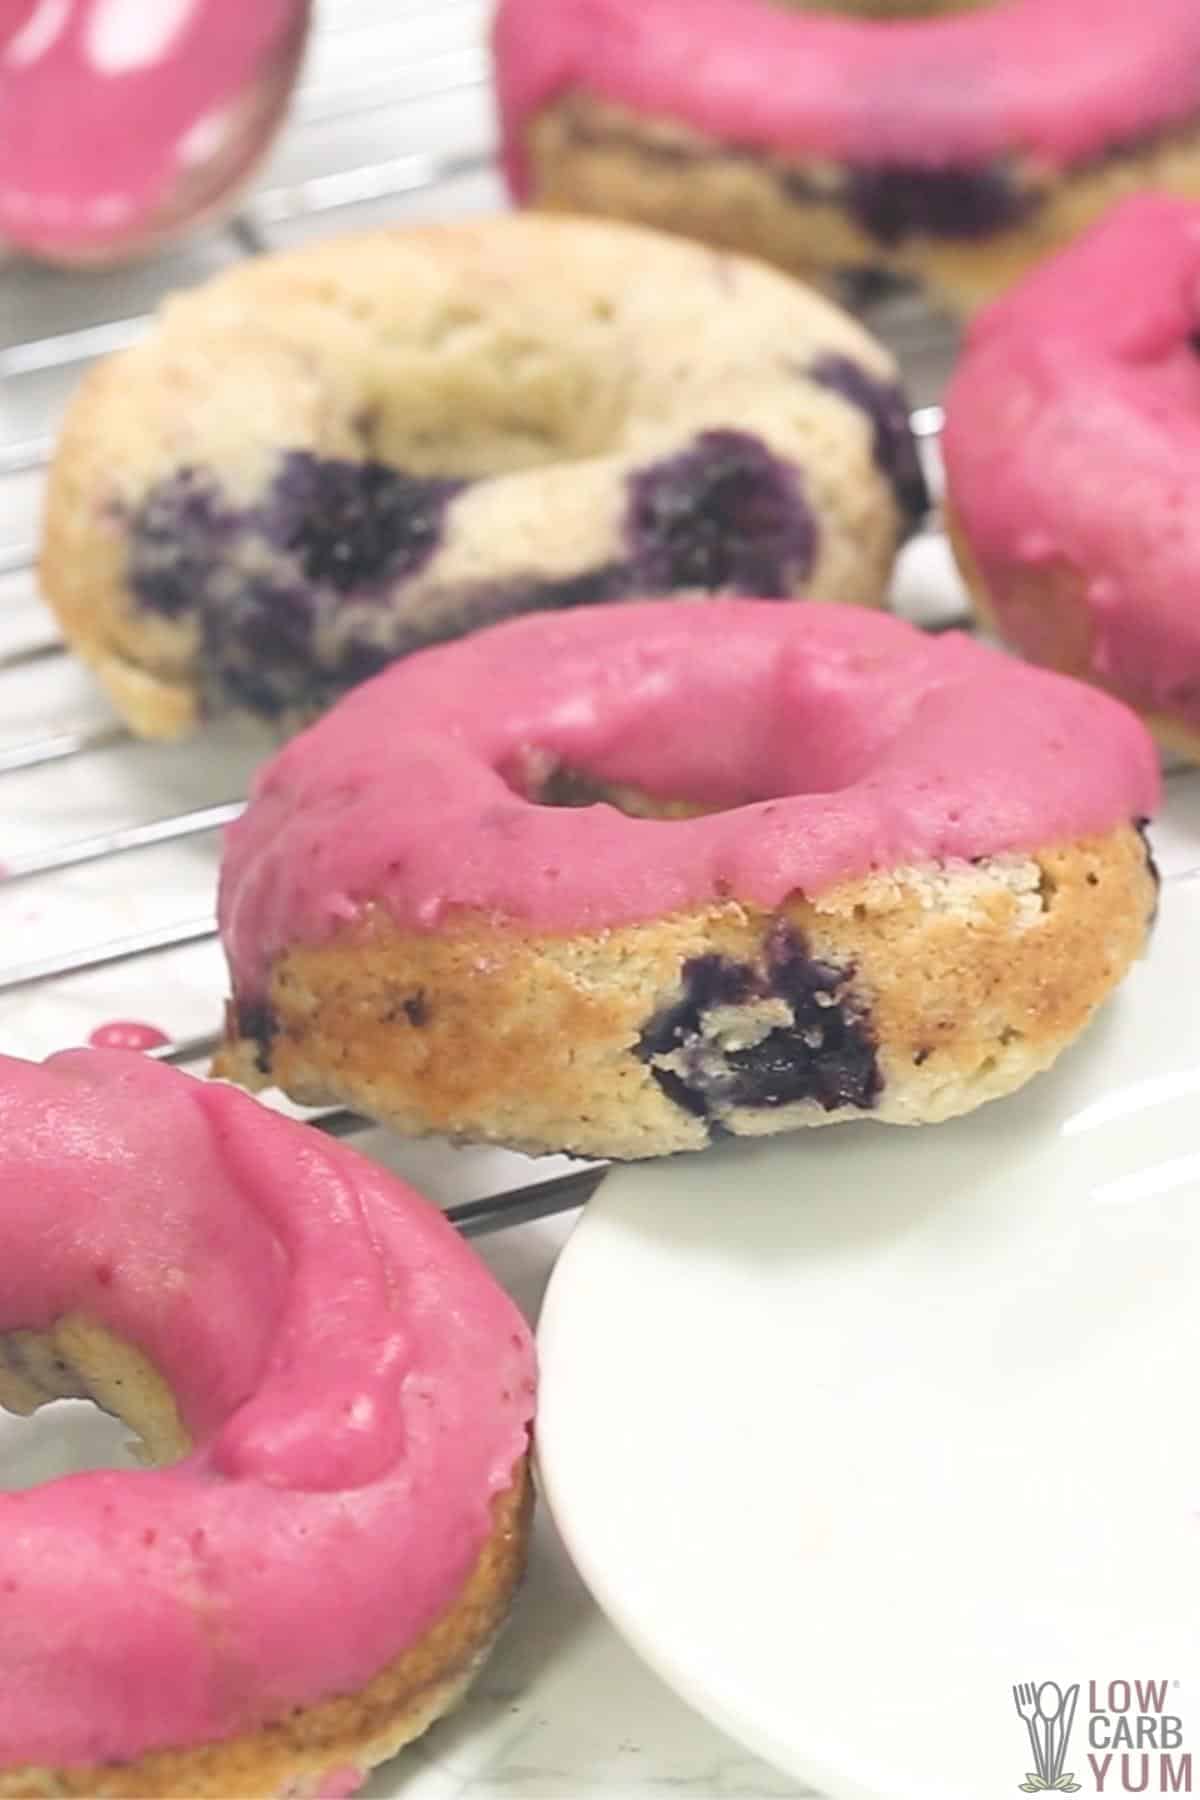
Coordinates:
[852,1431]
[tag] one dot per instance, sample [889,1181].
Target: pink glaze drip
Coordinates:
[356,1385]
[1073,435]
[841,741]
[127,1034]
[91,145]
[1061,79]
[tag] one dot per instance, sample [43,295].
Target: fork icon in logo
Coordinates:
[1049,1715]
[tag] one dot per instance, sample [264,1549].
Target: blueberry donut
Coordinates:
[1072,445]
[619,881]
[338,1398]
[954,151]
[324,460]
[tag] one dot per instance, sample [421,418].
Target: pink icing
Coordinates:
[127,1034]
[1062,79]
[838,739]
[1073,433]
[357,1387]
[92,141]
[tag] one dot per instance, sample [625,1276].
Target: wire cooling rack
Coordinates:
[109,848]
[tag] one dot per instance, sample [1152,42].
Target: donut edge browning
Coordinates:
[969,978]
[629,167]
[289,1759]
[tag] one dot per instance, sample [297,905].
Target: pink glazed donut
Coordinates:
[620,880]
[953,150]
[338,1397]
[1072,450]
[123,121]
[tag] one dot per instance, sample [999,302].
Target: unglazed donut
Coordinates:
[324,460]
[341,1396]
[868,874]
[953,150]
[1072,444]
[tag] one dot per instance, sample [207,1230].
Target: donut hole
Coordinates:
[563,785]
[475,377]
[542,780]
[78,1392]
[780,729]
[64,1437]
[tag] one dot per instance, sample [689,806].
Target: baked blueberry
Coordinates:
[355,525]
[892,203]
[892,443]
[725,514]
[806,1037]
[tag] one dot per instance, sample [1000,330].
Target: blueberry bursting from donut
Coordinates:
[821,1049]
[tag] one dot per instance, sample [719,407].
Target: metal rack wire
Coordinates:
[37,366]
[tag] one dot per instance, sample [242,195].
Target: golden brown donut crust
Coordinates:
[973,977]
[586,155]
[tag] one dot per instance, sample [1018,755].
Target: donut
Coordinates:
[170,109]
[337,1398]
[324,460]
[618,881]
[953,152]
[1072,442]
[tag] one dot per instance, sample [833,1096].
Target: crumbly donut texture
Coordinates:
[326,459]
[907,997]
[966,235]
[314,1749]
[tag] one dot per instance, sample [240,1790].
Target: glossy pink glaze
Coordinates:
[126,1034]
[357,1386]
[1073,436]
[1061,79]
[92,144]
[839,739]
